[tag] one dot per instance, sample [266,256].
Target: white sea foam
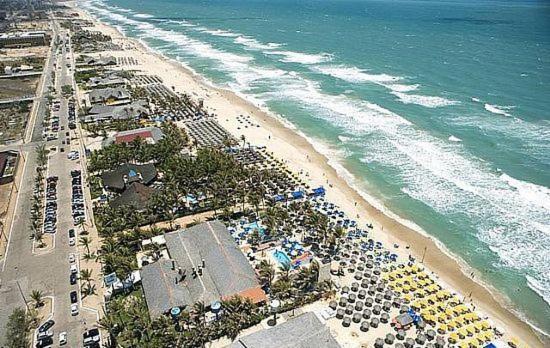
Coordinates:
[301,58]
[251,43]
[424,100]
[535,194]
[454,139]
[354,74]
[217,32]
[402,88]
[143,15]
[344,139]
[498,110]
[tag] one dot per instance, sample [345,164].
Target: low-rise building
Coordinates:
[24,39]
[106,81]
[205,265]
[124,175]
[109,96]
[304,331]
[106,113]
[136,196]
[8,166]
[150,135]
[99,61]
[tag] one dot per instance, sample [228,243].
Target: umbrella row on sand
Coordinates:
[380,285]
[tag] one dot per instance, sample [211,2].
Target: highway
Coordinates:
[22,269]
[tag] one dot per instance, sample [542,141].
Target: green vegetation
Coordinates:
[18,328]
[67,90]
[84,76]
[38,298]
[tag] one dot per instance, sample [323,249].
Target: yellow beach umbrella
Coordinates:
[453,337]
[442,328]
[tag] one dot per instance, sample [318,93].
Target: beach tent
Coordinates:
[319,191]
[278,198]
[297,194]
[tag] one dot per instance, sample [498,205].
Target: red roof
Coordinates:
[128,138]
[256,295]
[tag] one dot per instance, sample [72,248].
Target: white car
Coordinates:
[72,241]
[74,269]
[44,334]
[62,338]
[74,309]
[72,258]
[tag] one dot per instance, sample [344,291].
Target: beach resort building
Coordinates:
[106,81]
[304,331]
[99,61]
[123,176]
[24,39]
[205,265]
[136,196]
[109,96]
[106,113]
[150,135]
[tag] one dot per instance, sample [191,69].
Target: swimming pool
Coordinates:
[282,257]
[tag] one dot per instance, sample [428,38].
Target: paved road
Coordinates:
[46,272]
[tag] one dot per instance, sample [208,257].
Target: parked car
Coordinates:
[46,326]
[45,342]
[72,279]
[62,338]
[72,237]
[44,334]
[74,269]
[74,297]
[74,309]
[72,258]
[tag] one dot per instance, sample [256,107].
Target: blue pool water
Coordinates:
[282,258]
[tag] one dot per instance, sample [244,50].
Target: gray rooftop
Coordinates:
[304,331]
[127,173]
[100,112]
[226,273]
[103,94]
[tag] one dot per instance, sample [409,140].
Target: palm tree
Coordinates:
[37,295]
[86,275]
[85,242]
[199,311]
[266,272]
[89,289]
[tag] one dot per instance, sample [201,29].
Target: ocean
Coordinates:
[436,111]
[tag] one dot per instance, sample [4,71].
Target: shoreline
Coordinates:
[301,155]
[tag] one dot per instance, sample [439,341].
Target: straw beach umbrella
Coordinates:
[364,326]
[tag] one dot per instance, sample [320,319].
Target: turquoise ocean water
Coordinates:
[439,111]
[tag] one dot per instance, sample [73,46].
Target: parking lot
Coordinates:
[56,272]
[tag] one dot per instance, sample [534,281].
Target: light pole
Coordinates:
[274,305]
[22,296]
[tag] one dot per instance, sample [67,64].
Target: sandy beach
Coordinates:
[264,129]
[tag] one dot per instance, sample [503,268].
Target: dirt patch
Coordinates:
[13,120]
[18,88]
